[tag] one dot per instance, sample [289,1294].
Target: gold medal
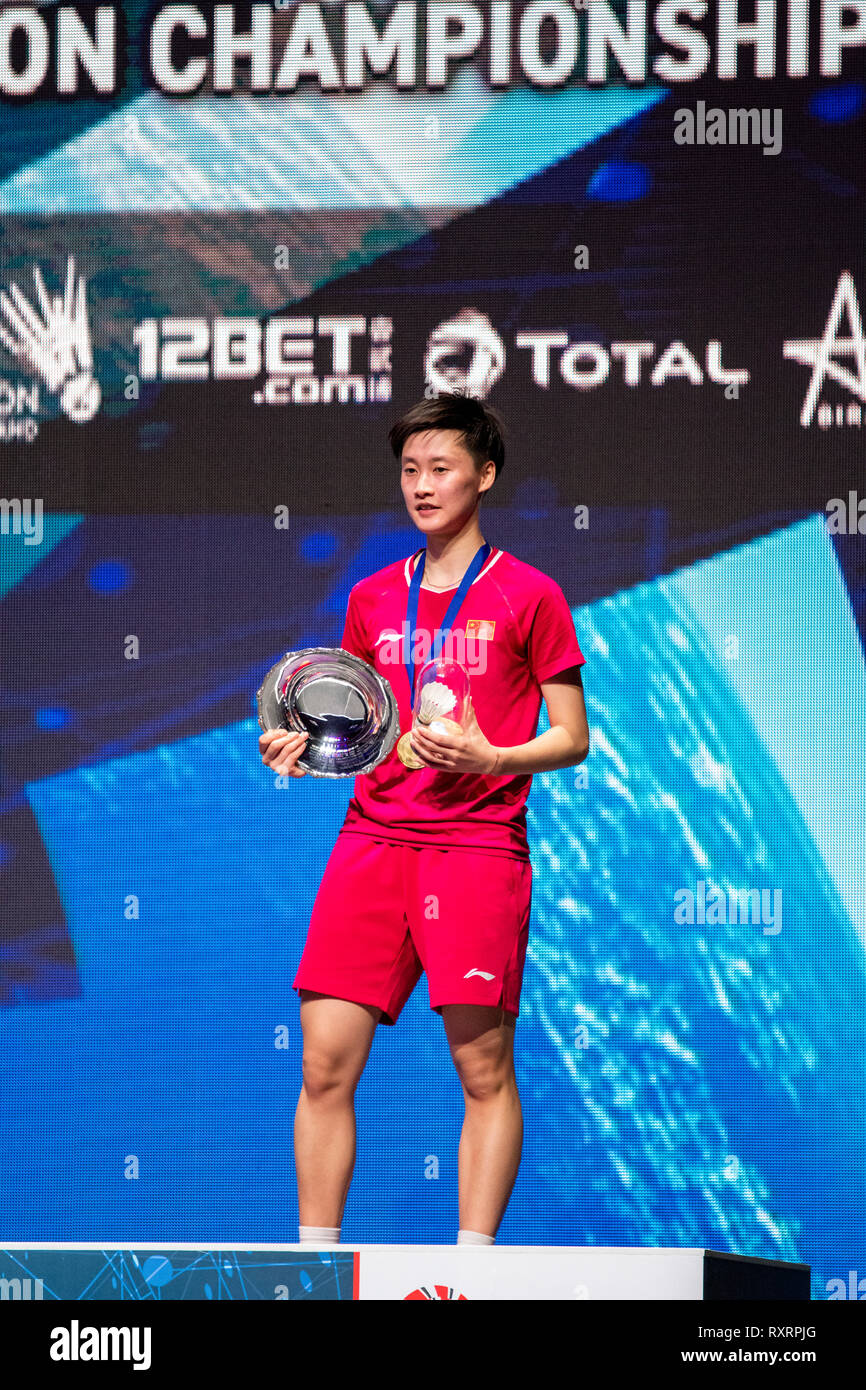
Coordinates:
[404,744]
[405,753]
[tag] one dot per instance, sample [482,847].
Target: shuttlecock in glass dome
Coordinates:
[441,703]
[441,695]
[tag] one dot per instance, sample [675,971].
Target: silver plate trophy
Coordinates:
[347,707]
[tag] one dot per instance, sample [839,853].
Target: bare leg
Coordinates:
[481,1040]
[338,1035]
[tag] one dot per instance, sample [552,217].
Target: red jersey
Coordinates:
[513,631]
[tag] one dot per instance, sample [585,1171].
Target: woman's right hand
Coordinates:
[281,749]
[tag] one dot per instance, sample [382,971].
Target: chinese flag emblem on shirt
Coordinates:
[480,628]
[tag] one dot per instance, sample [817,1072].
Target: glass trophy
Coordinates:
[441,703]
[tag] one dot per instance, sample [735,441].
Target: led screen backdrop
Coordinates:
[235,243]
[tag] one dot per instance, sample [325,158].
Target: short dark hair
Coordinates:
[480,425]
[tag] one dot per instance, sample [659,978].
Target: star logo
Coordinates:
[819,353]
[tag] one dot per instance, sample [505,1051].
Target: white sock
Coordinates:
[318,1235]
[474,1238]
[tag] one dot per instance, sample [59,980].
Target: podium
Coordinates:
[80,1272]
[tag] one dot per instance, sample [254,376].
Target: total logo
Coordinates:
[466,353]
[50,337]
[435,1292]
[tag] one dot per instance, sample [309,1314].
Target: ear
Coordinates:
[490,478]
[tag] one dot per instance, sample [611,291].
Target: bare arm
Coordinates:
[564,744]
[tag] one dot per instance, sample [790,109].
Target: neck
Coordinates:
[449,557]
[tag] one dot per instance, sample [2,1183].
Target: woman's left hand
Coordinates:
[450,751]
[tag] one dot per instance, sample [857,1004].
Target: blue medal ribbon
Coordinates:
[475,567]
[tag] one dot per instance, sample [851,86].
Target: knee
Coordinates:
[326,1074]
[482,1082]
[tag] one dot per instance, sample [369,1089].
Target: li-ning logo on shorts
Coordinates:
[485,975]
[51,336]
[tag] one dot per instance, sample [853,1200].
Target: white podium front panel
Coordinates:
[167,1271]
[528,1272]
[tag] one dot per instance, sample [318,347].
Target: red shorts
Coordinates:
[386,911]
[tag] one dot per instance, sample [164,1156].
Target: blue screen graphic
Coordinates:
[212,309]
